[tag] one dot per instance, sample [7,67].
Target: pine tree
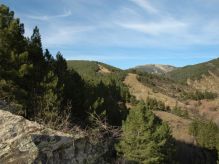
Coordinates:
[14,63]
[38,72]
[49,100]
[145,138]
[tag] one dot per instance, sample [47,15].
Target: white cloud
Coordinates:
[156,28]
[48,17]
[145,5]
[126,26]
[64,35]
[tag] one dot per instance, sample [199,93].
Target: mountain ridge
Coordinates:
[155,68]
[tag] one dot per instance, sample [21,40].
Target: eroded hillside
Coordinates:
[141,92]
[155,68]
[207,109]
[187,149]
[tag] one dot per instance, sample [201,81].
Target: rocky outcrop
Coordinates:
[23,141]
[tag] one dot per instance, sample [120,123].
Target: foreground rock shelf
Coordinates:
[23,141]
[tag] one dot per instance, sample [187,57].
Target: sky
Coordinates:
[125,33]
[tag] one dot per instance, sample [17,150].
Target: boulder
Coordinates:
[24,141]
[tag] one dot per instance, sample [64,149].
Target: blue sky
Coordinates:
[125,33]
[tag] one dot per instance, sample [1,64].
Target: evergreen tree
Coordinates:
[73,93]
[14,63]
[49,100]
[145,139]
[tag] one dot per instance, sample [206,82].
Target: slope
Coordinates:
[195,72]
[178,125]
[154,68]
[94,72]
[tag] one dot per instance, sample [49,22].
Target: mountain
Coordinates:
[195,72]
[203,76]
[154,68]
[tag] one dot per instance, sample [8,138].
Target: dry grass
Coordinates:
[205,109]
[209,83]
[142,92]
[103,69]
[178,125]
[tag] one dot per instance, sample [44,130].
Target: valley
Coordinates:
[55,110]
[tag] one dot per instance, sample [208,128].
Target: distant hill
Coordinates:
[154,68]
[195,72]
[94,72]
[85,66]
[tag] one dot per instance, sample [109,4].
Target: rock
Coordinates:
[23,141]
[2,103]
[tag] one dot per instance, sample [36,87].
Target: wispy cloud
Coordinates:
[48,17]
[168,26]
[145,4]
[64,35]
[156,28]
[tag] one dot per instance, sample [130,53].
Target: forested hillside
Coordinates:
[94,72]
[40,86]
[195,71]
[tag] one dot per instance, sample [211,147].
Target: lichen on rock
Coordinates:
[24,141]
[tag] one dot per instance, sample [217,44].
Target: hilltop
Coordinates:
[90,66]
[195,72]
[155,68]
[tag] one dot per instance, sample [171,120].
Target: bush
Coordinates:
[179,112]
[198,95]
[206,134]
[154,104]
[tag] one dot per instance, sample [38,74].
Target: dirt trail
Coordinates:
[179,126]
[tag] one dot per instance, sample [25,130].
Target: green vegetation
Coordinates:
[176,90]
[179,112]
[206,134]
[198,95]
[154,104]
[194,71]
[42,87]
[89,70]
[162,84]
[145,139]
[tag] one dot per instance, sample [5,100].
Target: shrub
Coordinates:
[198,95]
[179,112]
[206,134]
